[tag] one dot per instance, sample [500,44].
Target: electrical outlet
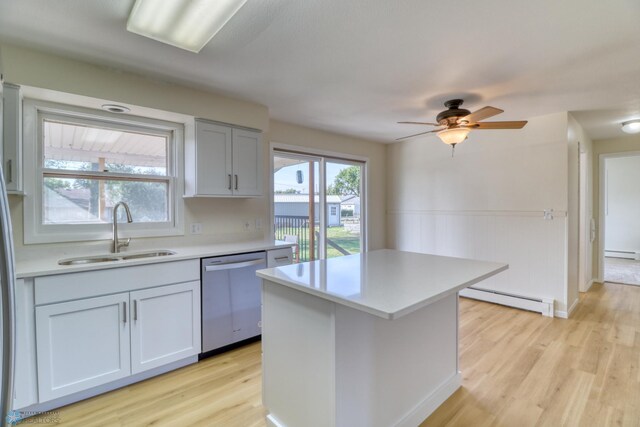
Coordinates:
[196,228]
[548,214]
[258,223]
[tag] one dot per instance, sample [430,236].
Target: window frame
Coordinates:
[35,112]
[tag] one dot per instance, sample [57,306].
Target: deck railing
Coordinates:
[298,226]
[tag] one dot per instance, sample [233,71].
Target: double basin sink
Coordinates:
[114,257]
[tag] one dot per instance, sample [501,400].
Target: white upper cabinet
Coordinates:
[223,161]
[247,162]
[213,160]
[12,137]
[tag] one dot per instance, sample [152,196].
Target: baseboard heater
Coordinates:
[539,305]
[635,255]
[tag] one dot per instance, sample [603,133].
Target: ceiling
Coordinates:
[358,66]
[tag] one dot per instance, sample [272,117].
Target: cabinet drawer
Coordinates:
[278,257]
[85,284]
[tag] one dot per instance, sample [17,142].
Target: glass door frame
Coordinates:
[321,199]
[322,157]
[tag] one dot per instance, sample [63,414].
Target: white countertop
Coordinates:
[45,266]
[386,283]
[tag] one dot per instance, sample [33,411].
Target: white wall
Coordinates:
[487,203]
[222,218]
[622,204]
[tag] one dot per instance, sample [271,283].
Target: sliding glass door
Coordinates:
[317,204]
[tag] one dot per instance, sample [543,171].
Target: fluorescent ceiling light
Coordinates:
[187,24]
[632,126]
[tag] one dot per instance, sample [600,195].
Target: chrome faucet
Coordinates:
[116,245]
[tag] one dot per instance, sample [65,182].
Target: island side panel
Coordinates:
[395,372]
[298,360]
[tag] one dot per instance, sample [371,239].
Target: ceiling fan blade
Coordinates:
[481,114]
[418,134]
[499,125]
[419,123]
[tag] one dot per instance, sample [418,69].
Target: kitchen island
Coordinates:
[363,340]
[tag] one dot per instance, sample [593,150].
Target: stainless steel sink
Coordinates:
[87,260]
[150,254]
[111,258]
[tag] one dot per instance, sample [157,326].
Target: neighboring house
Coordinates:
[298,205]
[67,206]
[351,203]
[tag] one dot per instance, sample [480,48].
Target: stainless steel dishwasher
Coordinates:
[231,300]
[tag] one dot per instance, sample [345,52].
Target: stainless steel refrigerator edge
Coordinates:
[7,280]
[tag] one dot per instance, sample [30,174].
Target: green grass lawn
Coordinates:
[338,235]
[341,237]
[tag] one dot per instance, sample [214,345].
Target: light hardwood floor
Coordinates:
[519,369]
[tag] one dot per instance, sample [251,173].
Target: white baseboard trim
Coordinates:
[544,306]
[425,408]
[564,314]
[561,314]
[590,284]
[273,422]
[573,306]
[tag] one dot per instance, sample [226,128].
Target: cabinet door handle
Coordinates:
[229,181]
[236,181]
[282,258]
[124,311]
[9,171]
[135,309]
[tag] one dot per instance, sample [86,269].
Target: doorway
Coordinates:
[317,204]
[621,218]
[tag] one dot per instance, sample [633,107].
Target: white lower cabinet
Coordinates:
[89,342]
[165,325]
[82,344]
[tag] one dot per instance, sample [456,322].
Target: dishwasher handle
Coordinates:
[233,265]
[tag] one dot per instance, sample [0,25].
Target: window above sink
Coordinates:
[80,162]
[89,167]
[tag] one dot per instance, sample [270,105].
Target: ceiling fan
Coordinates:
[455,123]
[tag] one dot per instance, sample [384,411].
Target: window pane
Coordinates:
[294,179]
[86,201]
[343,234]
[90,148]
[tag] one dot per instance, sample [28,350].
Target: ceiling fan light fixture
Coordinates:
[453,136]
[187,24]
[632,126]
